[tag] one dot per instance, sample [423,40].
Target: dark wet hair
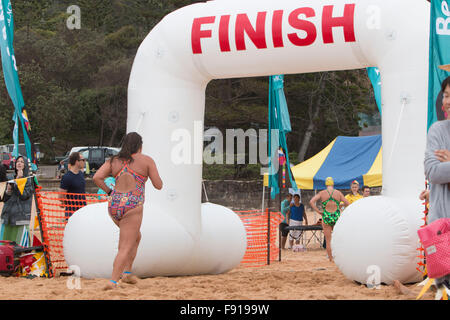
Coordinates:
[297,195]
[25,168]
[131,144]
[445,83]
[73,158]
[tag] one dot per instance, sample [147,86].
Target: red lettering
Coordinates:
[347,21]
[257,35]
[297,23]
[197,33]
[277,30]
[224,39]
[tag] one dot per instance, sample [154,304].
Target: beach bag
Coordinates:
[13,257]
[435,239]
[7,263]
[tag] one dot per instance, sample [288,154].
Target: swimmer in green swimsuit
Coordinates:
[330,200]
[330,218]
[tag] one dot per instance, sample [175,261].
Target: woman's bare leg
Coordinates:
[129,234]
[327,232]
[130,278]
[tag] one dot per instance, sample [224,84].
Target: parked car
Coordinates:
[95,156]
[7,160]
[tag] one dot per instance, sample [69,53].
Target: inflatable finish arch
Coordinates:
[226,39]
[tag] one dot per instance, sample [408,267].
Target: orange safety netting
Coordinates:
[255,223]
[55,209]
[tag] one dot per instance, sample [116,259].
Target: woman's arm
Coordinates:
[436,171]
[313,201]
[102,173]
[153,174]
[8,192]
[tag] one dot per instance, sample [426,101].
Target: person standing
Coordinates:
[296,216]
[366,191]
[131,169]
[285,206]
[73,185]
[354,195]
[16,213]
[330,200]
[437,167]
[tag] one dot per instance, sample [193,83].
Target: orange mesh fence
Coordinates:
[56,208]
[421,264]
[256,226]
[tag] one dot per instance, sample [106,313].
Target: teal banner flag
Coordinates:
[375,79]
[11,76]
[439,56]
[279,126]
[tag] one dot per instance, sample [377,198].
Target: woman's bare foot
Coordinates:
[130,278]
[111,286]
[403,290]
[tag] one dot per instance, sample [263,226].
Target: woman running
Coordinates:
[131,170]
[330,199]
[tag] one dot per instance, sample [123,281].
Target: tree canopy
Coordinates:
[74,81]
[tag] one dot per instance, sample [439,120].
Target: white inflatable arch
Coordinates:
[229,38]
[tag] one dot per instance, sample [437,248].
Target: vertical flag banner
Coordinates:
[375,79]
[439,56]
[279,120]
[12,78]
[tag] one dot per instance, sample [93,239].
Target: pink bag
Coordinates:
[435,238]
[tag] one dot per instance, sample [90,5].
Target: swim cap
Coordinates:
[329,181]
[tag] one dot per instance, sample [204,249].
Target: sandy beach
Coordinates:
[304,275]
[299,276]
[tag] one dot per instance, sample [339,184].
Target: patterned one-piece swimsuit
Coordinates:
[121,202]
[330,218]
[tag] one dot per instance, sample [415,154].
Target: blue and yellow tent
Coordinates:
[345,159]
